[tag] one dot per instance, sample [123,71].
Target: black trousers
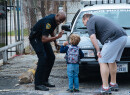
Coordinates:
[46,60]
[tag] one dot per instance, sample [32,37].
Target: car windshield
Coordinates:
[119,16]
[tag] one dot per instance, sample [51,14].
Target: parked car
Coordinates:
[118,13]
[2,14]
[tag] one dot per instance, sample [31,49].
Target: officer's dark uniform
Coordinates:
[44,51]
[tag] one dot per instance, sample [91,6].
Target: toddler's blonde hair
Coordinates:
[74,39]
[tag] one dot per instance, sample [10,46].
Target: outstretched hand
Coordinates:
[65,43]
[60,34]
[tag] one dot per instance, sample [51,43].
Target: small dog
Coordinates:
[27,77]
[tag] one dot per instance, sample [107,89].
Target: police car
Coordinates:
[118,13]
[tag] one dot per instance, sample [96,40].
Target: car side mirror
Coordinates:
[66,27]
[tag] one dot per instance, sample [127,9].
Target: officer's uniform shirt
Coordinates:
[45,26]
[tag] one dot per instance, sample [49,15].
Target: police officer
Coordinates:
[40,41]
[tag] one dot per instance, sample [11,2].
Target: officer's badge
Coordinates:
[48,26]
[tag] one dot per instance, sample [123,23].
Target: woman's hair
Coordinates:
[74,39]
[86,15]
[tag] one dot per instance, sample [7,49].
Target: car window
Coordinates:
[119,16]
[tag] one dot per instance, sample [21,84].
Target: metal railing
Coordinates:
[4,50]
[11,29]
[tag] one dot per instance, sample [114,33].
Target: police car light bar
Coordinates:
[93,2]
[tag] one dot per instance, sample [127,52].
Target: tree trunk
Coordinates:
[43,8]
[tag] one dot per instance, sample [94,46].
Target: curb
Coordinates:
[1,62]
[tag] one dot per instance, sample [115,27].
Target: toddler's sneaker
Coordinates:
[114,87]
[76,90]
[69,90]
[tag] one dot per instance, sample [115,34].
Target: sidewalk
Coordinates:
[10,73]
[9,76]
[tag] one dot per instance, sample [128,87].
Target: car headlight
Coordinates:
[59,42]
[88,53]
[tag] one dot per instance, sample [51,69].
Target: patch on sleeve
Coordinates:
[48,26]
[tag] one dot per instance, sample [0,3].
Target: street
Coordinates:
[9,76]
[101,25]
